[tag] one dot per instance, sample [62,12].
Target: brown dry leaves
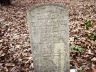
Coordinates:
[15,50]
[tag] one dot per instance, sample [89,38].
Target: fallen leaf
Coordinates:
[93,59]
[9,64]
[94,69]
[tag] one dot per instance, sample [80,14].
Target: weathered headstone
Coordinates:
[49,36]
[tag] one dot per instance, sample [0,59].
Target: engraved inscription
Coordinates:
[49,35]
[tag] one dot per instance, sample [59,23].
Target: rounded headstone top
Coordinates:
[47,4]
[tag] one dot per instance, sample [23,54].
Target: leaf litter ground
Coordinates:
[15,50]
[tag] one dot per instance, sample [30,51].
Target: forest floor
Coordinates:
[15,49]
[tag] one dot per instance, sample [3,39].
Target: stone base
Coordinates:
[71,70]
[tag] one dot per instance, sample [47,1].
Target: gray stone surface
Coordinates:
[49,37]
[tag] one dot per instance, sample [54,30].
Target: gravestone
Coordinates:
[49,37]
